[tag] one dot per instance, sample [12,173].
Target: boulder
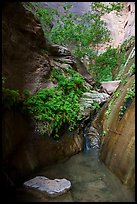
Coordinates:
[88,98]
[52,187]
[87,102]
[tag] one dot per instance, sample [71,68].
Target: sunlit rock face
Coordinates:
[118,133]
[122,26]
[129,26]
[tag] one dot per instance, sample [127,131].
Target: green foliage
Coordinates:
[122,52]
[102,8]
[109,108]
[127,100]
[131,92]
[96,106]
[123,80]
[114,96]
[131,70]
[72,81]
[85,51]
[104,64]
[122,111]
[123,77]
[79,31]
[129,42]
[122,67]
[26,93]
[73,30]
[44,14]
[51,108]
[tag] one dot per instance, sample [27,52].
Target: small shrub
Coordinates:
[69,29]
[51,108]
[105,63]
[114,96]
[127,100]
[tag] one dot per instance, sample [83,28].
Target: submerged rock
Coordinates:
[52,187]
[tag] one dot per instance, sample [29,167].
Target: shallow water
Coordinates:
[91,181]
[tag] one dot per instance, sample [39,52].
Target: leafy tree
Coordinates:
[77,32]
[102,66]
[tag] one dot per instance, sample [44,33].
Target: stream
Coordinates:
[91,181]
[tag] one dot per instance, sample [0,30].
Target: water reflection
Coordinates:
[91,181]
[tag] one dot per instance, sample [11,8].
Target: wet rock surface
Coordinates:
[88,99]
[53,188]
[91,182]
[94,96]
[118,143]
[25,65]
[122,26]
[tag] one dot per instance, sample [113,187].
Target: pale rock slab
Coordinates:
[53,188]
[110,86]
